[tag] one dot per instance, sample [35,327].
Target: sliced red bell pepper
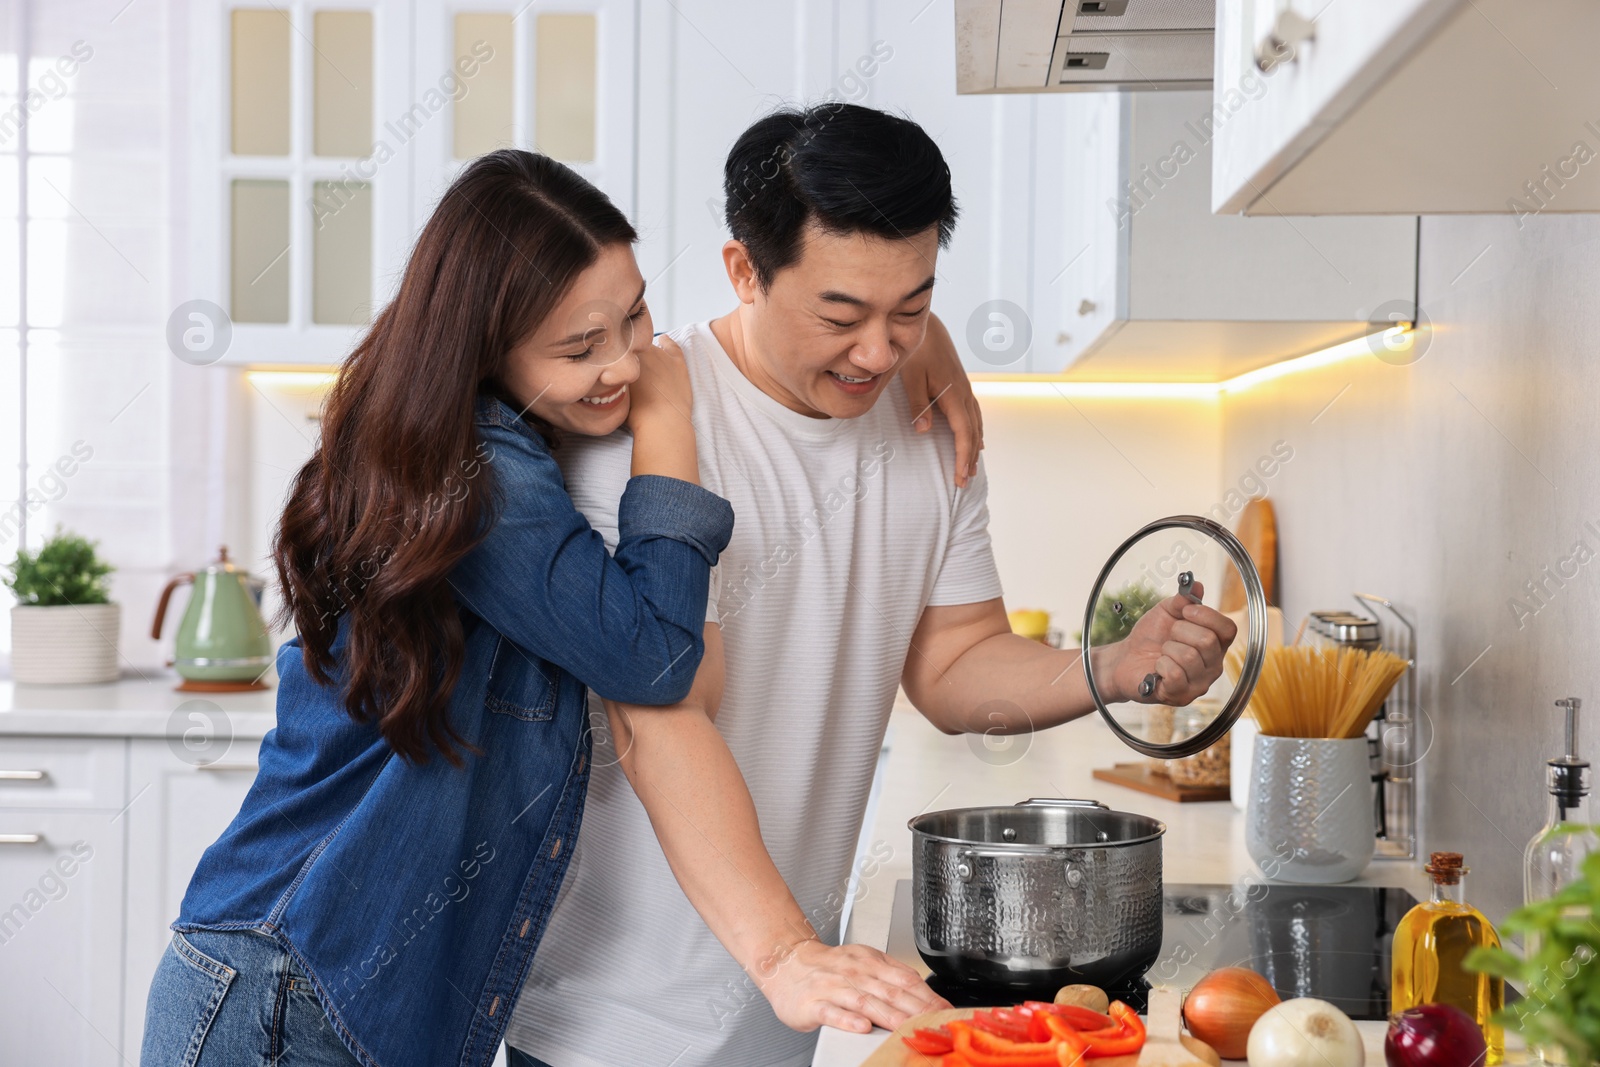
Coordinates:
[1084,1020]
[1070,1053]
[982,1049]
[1125,1036]
[930,1041]
[1002,1022]
[1127,1039]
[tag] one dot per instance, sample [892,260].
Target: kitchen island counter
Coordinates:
[927,770]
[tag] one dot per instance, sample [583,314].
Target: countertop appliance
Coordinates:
[222,644]
[1330,942]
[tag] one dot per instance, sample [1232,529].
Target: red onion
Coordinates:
[1434,1035]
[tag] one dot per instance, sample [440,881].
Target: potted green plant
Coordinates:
[1559,975]
[64,627]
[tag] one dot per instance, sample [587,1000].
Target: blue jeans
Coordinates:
[522,1059]
[235,998]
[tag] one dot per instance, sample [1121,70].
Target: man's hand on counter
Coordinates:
[850,987]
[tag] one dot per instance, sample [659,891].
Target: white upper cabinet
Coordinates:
[322,135]
[1365,107]
[1162,289]
[557,78]
[299,189]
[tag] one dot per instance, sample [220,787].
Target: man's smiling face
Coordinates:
[832,328]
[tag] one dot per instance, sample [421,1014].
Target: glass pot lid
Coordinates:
[1173,716]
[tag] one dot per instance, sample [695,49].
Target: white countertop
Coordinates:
[146,705]
[928,770]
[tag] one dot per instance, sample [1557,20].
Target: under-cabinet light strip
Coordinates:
[1396,339]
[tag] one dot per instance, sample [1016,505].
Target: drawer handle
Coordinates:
[21,839]
[222,767]
[23,776]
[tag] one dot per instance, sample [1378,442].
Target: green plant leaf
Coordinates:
[65,570]
[1561,981]
[1111,626]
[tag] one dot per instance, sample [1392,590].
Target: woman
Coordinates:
[381,893]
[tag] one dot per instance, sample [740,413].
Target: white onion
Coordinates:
[1305,1033]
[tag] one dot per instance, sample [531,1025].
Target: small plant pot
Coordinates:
[73,644]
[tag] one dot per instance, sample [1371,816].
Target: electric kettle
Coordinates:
[222,641]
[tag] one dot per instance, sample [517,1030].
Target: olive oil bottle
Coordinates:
[1429,946]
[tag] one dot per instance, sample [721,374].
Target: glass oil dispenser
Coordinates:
[1555,855]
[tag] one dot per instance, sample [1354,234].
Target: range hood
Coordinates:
[1031,46]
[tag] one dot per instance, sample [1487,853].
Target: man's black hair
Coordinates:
[851,169]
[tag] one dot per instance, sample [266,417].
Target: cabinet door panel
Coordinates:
[179,809]
[61,938]
[476,66]
[1267,121]
[307,114]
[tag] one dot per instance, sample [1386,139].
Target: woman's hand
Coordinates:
[663,387]
[1182,641]
[659,406]
[934,377]
[850,987]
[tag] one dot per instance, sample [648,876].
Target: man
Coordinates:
[857,563]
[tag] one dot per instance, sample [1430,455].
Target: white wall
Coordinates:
[1070,480]
[1448,485]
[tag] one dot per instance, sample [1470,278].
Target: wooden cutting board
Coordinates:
[1258,532]
[896,1053]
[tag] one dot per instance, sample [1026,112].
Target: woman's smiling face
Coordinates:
[574,370]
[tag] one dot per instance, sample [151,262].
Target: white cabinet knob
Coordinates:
[1281,44]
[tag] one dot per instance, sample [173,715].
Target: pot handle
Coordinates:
[966,869]
[1058,802]
[161,605]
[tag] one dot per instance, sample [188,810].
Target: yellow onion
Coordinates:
[1226,1003]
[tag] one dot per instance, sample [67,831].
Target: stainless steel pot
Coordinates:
[1036,896]
[1053,892]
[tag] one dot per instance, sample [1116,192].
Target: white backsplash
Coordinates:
[1448,485]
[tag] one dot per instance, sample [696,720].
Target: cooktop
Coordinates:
[1330,942]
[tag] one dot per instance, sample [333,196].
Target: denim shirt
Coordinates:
[412,895]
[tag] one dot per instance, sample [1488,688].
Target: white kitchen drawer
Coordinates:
[63,772]
[61,938]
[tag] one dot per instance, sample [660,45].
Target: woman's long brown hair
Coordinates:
[398,490]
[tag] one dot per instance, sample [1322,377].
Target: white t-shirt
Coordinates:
[844,530]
